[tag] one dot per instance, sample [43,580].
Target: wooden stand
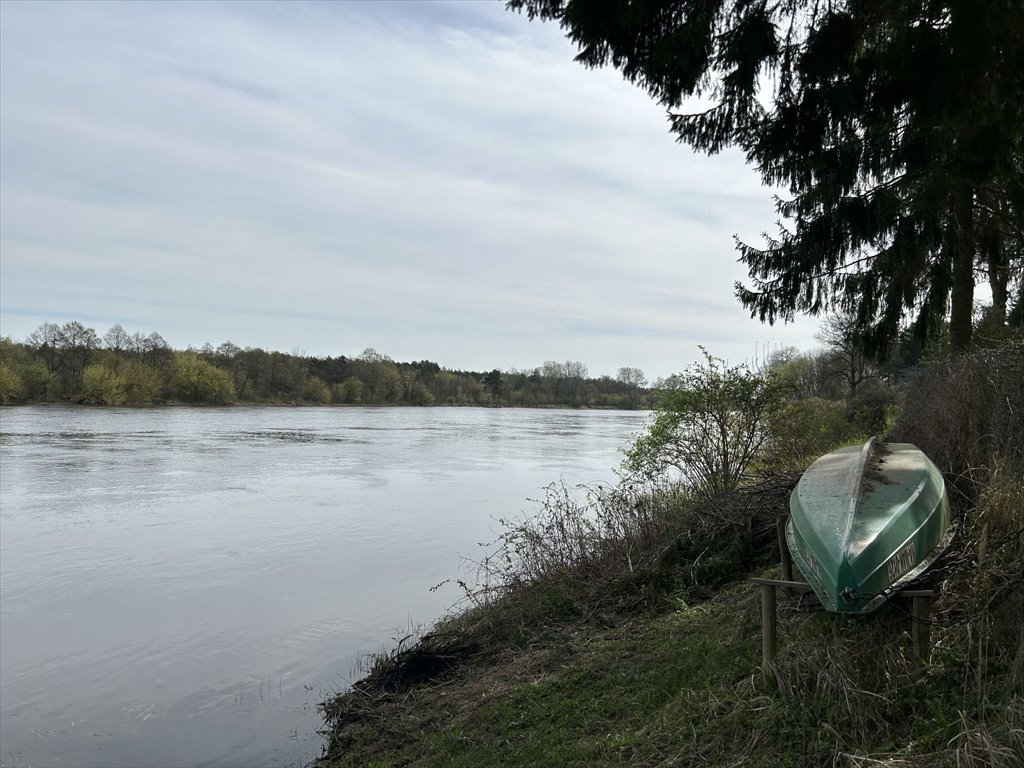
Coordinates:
[919,627]
[784,556]
[769,617]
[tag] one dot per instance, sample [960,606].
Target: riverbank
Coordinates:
[659,676]
[623,629]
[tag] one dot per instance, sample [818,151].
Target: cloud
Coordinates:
[437,180]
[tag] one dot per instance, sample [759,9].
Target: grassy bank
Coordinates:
[618,628]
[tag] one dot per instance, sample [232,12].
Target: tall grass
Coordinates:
[583,534]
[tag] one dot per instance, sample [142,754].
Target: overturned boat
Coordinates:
[865,520]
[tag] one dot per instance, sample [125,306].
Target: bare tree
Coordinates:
[117,339]
[839,333]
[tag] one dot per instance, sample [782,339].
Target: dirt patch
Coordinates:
[873,467]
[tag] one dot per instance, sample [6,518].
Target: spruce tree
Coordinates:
[897,128]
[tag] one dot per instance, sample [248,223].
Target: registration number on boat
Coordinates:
[813,561]
[902,562]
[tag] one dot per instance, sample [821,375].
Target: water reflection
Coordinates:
[182,586]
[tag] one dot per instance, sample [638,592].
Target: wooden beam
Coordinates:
[784,556]
[799,586]
[915,593]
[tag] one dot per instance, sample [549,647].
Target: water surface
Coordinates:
[182,586]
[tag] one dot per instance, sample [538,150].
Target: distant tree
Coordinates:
[24,364]
[632,378]
[141,383]
[371,355]
[102,385]
[349,391]
[317,391]
[117,339]
[840,335]
[228,351]
[67,349]
[494,384]
[811,375]
[46,341]
[427,368]
[778,357]
[155,351]
[198,381]
[420,394]
[137,345]
[390,384]
[12,386]
[446,387]
[288,375]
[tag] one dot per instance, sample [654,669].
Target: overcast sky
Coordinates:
[435,180]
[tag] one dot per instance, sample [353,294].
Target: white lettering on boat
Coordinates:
[813,561]
[902,562]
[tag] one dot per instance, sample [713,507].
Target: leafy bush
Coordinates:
[869,411]
[142,384]
[803,431]
[11,384]
[198,381]
[316,391]
[709,428]
[102,385]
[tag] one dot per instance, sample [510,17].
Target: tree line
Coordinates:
[73,363]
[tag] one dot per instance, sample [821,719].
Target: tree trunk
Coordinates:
[962,300]
[998,263]
[998,280]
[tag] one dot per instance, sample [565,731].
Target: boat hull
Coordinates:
[866,520]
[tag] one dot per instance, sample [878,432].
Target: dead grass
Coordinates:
[966,411]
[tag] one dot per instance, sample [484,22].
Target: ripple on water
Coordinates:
[183,586]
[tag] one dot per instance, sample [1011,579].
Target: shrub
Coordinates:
[708,429]
[142,384]
[349,391]
[803,431]
[316,391]
[965,411]
[11,384]
[198,381]
[102,385]
[869,410]
[588,536]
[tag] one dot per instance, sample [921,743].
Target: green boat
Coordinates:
[865,520]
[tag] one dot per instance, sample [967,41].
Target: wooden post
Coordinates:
[769,640]
[921,609]
[784,556]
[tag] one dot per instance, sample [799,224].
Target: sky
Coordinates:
[435,180]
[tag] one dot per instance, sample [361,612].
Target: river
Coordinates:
[182,586]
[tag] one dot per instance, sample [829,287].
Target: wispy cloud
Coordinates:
[437,180]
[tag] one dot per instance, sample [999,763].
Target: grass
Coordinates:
[683,687]
[630,644]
